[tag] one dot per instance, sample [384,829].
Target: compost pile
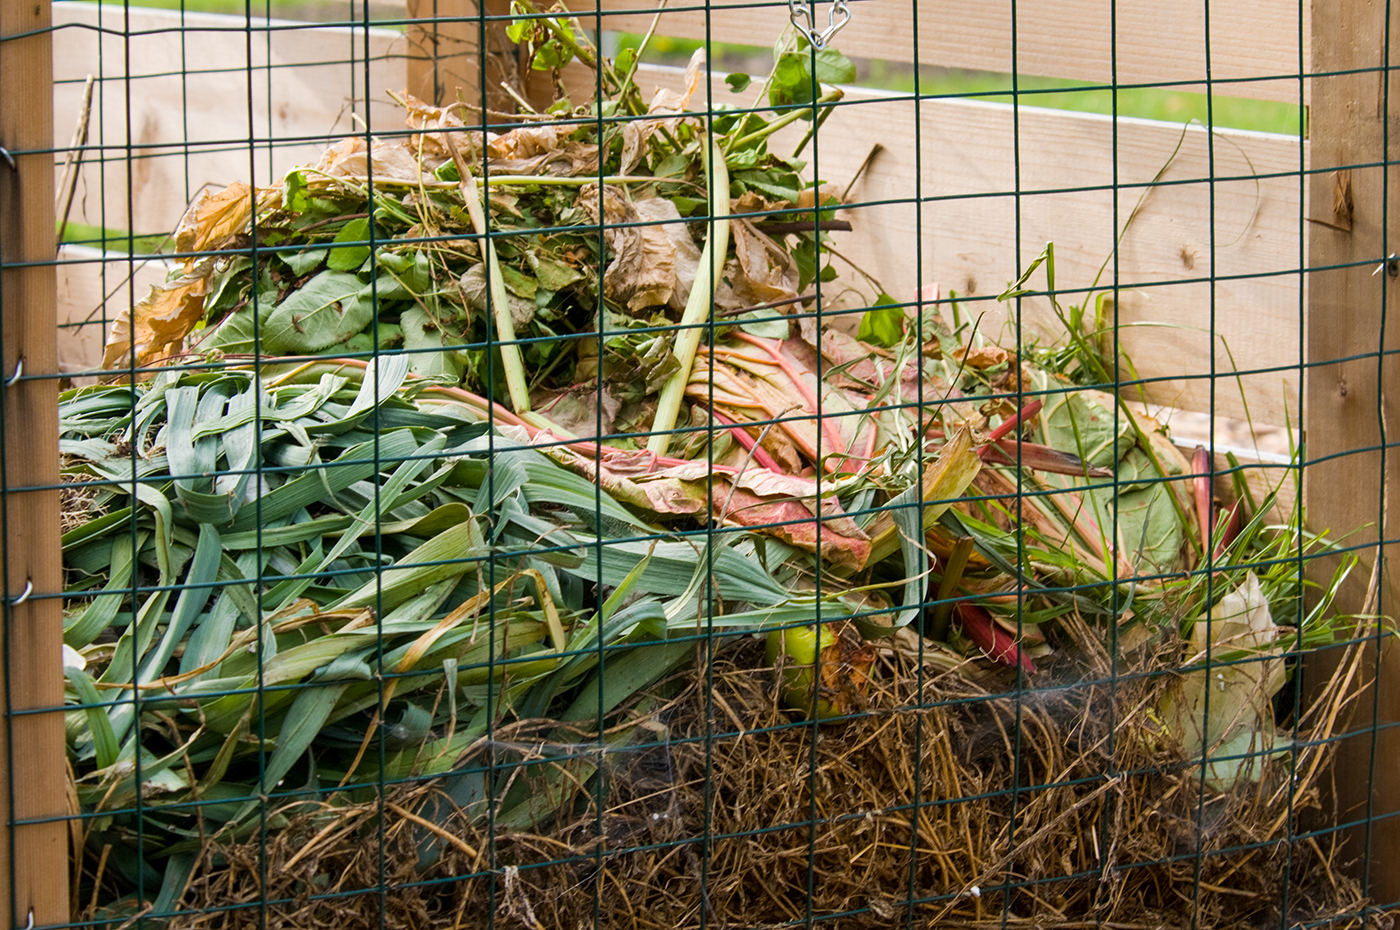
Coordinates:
[444,595]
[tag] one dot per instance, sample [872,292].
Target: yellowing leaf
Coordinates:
[162,320]
[212,218]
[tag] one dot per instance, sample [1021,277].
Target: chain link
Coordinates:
[804,20]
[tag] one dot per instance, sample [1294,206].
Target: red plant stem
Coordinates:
[833,434]
[1015,420]
[1234,523]
[998,644]
[760,454]
[1201,468]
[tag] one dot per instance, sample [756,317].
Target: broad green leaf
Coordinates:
[883,324]
[350,247]
[328,309]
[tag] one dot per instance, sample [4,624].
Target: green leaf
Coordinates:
[883,324]
[308,713]
[625,61]
[448,554]
[737,81]
[792,81]
[328,309]
[353,245]
[301,261]
[104,740]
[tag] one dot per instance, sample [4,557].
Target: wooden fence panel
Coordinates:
[200,99]
[1178,329]
[1256,46]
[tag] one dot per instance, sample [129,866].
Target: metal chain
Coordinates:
[804,20]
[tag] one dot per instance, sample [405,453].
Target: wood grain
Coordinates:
[247,106]
[34,854]
[942,199]
[1350,414]
[1254,44]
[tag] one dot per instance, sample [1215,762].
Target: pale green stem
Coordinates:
[830,96]
[698,307]
[511,358]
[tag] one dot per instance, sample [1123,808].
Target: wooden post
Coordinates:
[35,850]
[445,58]
[1345,402]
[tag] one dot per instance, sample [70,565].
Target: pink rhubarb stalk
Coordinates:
[999,645]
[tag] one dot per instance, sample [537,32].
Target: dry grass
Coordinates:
[1060,808]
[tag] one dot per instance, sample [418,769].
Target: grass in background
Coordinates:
[1168,105]
[115,240]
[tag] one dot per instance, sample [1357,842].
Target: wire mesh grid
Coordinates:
[631,467]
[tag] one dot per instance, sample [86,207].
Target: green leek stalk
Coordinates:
[511,358]
[699,306]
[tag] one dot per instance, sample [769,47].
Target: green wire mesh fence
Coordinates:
[710,465]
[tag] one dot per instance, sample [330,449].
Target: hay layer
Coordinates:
[1063,806]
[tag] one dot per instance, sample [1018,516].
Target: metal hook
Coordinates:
[804,21]
[19,370]
[30,924]
[15,602]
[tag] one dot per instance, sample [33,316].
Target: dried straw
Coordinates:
[1064,805]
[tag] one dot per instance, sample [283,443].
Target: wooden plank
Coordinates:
[209,102]
[1347,417]
[93,288]
[1158,41]
[957,158]
[34,853]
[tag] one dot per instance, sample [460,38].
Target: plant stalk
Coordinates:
[830,96]
[512,360]
[699,306]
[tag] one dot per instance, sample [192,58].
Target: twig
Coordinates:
[521,101]
[74,161]
[636,62]
[875,150]
[778,229]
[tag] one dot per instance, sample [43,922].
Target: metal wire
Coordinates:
[269,723]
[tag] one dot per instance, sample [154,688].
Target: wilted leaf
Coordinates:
[762,271]
[162,320]
[1237,717]
[382,160]
[212,218]
[984,357]
[635,133]
[642,273]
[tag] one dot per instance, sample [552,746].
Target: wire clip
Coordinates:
[19,370]
[804,20]
[24,595]
[30,924]
[9,159]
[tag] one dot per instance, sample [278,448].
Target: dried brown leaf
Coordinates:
[162,320]
[665,104]
[351,158]
[642,273]
[762,271]
[213,218]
